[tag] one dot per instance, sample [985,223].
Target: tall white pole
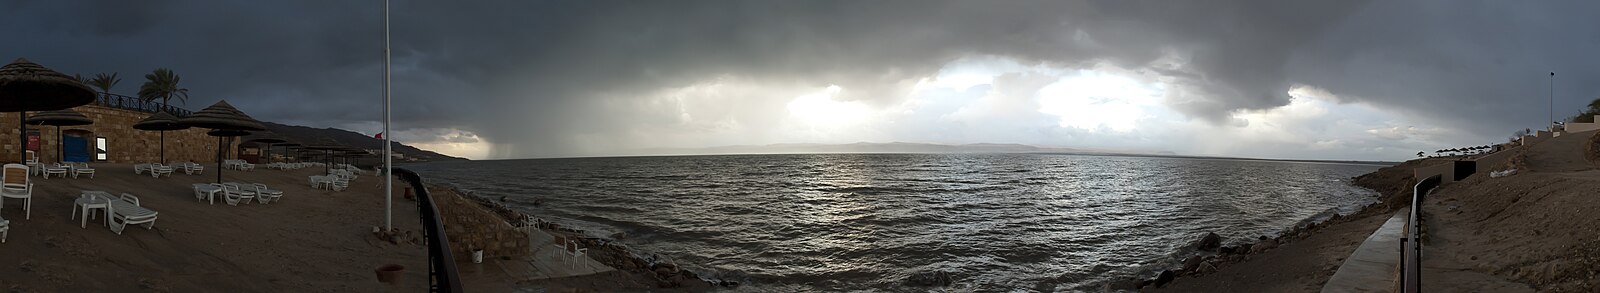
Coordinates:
[388,167]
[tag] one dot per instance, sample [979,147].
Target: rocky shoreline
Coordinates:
[610,251]
[1207,254]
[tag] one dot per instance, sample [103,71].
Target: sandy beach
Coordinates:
[311,241]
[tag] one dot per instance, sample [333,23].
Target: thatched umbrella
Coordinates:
[25,86]
[286,145]
[327,146]
[225,121]
[59,118]
[266,138]
[352,154]
[161,121]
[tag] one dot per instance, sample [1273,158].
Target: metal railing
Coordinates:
[136,104]
[442,273]
[1410,245]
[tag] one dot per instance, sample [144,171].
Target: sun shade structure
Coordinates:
[286,146]
[266,138]
[59,118]
[25,86]
[327,146]
[161,121]
[224,121]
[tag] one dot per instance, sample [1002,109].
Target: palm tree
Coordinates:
[162,84]
[104,82]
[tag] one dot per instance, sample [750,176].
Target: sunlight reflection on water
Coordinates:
[868,221]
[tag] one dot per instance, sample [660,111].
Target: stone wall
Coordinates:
[123,143]
[1576,127]
[1445,170]
[469,225]
[1495,161]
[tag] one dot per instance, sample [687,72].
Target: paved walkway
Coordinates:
[1374,266]
[547,261]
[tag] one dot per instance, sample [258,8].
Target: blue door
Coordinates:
[77,149]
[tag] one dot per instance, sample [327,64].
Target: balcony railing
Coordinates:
[442,273]
[137,104]
[1410,245]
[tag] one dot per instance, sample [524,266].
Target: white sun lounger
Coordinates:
[126,210]
[56,169]
[81,169]
[233,195]
[264,194]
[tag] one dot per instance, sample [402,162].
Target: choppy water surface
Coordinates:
[868,221]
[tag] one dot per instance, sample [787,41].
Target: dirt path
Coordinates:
[1560,154]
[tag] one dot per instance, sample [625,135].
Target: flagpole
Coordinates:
[388,167]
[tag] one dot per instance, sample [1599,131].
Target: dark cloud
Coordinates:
[541,78]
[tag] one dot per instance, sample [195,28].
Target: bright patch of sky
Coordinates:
[998,100]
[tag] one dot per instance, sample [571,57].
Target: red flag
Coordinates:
[379,136]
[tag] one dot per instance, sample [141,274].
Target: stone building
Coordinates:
[111,139]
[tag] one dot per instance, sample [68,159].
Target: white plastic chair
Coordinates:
[339,184]
[575,253]
[156,170]
[33,164]
[16,184]
[196,168]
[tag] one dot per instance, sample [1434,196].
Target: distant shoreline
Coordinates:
[1137,155]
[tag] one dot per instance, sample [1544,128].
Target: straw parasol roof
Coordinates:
[63,117]
[265,137]
[25,86]
[227,132]
[325,144]
[223,116]
[160,121]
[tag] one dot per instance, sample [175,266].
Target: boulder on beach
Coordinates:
[1123,285]
[1165,277]
[1192,263]
[1209,242]
[1263,245]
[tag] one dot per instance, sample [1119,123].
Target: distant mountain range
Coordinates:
[308,135]
[892,147]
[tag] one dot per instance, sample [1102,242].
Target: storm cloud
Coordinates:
[563,78]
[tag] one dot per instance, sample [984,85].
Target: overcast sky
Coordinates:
[1361,80]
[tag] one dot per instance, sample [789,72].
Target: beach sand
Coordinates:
[1532,231]
[311,241]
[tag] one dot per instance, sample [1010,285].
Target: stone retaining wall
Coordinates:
[470,225]
[123,143]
